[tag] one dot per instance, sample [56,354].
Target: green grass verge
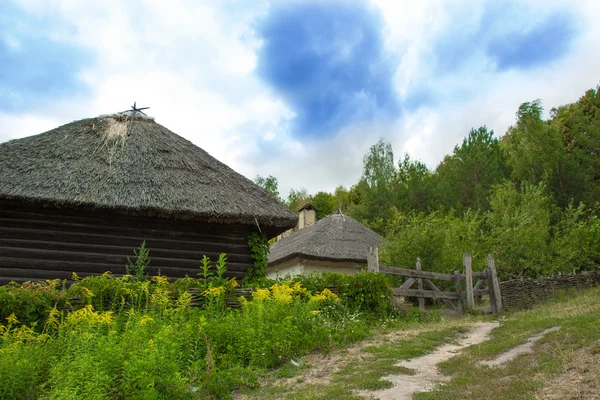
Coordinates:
[577,314]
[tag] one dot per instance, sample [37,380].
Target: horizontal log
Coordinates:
[481,292]
[437,289]
[8,275]
[201,234]
[412,273]
[87,257]
[430,294]
[39,274]
[99,268]
[479,275]
[215,244]
[112,220]
[485,309]
[102,250]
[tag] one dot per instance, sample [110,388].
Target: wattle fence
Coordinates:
[525,293]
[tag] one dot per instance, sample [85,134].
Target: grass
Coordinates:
[527,375]
[374,362]
[564,364]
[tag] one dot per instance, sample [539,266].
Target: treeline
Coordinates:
[531,197]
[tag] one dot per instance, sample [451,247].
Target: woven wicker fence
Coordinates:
[524,293]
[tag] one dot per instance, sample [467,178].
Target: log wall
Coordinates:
[44,243]
[524,293]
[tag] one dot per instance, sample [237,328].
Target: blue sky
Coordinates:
[296,89]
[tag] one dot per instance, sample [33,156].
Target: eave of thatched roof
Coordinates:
[133,166]
[337,237]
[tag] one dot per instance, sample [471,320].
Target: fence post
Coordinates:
[420,283]
[373,259]
[467,262]
[494,286]
[459,305]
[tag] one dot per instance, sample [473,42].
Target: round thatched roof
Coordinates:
[133,166]
[337,237]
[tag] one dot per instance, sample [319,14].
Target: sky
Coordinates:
[296,89]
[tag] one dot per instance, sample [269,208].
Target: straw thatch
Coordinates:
[136,167]
[337,237]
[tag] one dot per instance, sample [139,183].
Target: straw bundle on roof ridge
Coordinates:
[149,170]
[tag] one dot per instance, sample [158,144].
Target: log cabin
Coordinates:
[81,197]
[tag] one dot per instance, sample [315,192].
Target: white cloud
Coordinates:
[194,64]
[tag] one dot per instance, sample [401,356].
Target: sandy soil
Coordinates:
[525,348]
[427,374]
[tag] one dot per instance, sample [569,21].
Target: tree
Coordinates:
[414,190]
[297,198]
[465,179]
[578,127]
[269,185]
[375,187]
[534,148]
[324,203]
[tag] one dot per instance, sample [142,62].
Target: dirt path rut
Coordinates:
[427,374]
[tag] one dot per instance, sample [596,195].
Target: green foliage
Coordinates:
[520,230]
[269,185]
[324,203]
[162,348]
[439,240]
[142,260]
[259,248]
[30,301]
[297,199]
[365,292]
[465,179]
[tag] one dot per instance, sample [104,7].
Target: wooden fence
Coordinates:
[457,299]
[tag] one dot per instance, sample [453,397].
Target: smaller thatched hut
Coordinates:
[81,197]
[337,243]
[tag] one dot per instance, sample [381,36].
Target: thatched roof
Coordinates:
[337,237]
[133,166]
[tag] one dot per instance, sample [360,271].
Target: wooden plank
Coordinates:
[214,245]
[79,266]
[51,244]
[436,289]
[469,280]
[202,233]
[113,220]
[430,294]
[458,292]
[479,284]
[96,258]
[373,259]
[479,275]
[420,285]
[481,292]
[494,286]
[411,273]
[409,282]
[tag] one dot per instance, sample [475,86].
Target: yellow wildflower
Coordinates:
[261,294]
[160,280]
[233,282]
[282,293]
[12,319]
[214,291]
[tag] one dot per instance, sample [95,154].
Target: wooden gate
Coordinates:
[486,284]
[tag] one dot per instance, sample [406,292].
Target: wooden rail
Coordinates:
[453,299]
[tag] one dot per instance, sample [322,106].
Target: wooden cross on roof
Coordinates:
[135,109]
